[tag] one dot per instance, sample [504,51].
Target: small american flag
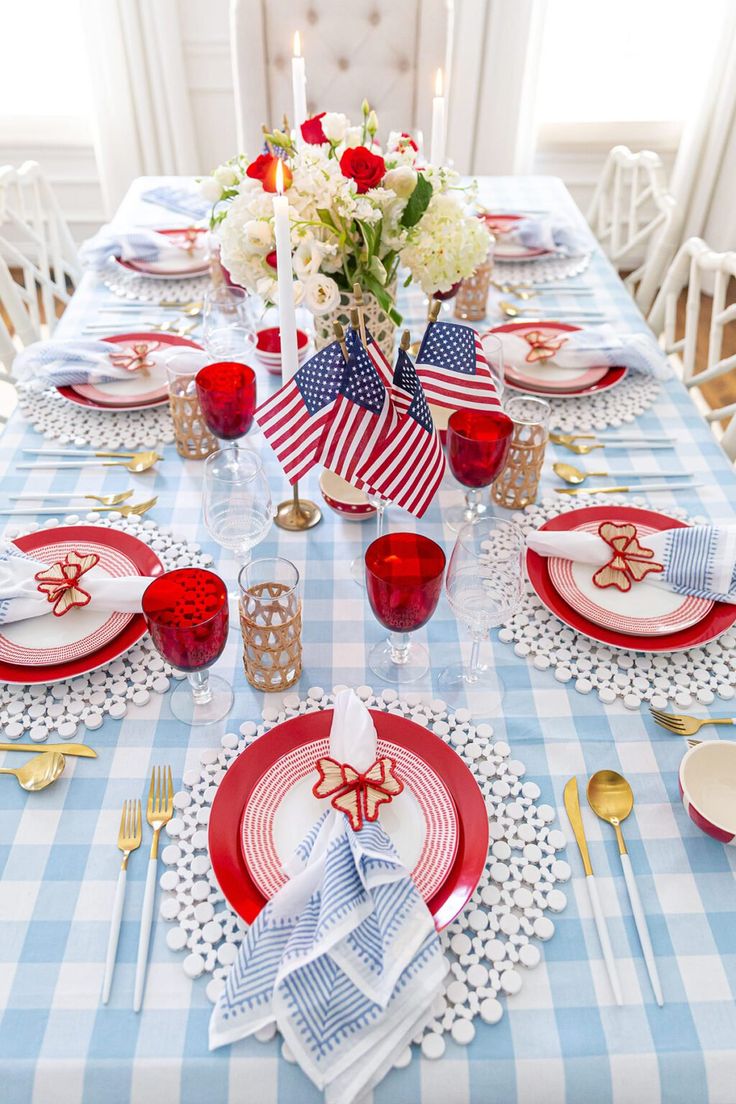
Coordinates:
[294,420]
[380,363]
[361,416]
[453,369]
[408,464]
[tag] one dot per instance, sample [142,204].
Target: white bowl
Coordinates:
[346,500]
[708,788]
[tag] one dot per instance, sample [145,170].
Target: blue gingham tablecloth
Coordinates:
[561,1038]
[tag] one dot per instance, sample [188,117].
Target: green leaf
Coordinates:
[384,299]
[326,218]
[418,202]
[377,269]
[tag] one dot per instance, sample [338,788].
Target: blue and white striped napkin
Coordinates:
[62,363]
[344,959]
[699,560]
[586,348]
[180,199]
[134,245]
[548,234]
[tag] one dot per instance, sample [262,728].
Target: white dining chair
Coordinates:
[694,266]
[636,220]
[38,260]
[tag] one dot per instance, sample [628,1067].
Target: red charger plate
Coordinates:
[140,267]
[120,339]
[721,616]
[225,825]
[144,559]
[611,378]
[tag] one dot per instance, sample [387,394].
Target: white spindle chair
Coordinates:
[636,220]
[695,264]
[38,259]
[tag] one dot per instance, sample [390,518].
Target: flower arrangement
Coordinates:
[358,212]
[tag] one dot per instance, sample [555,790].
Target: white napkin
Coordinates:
[140,244]
[344,959]
[699,560]
[20,597]
[585,348]
[74,360]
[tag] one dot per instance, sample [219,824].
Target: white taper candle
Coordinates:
[437,145]
[287,314]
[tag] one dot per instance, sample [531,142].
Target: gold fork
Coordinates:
[129,840]
[684,725]
[159,811]
[137,510]
[43,496]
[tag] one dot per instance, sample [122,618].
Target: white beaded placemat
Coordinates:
[541,271]
[697,676]
[130,286]
[61,709]
[489,945]
[60,420]
[619,406]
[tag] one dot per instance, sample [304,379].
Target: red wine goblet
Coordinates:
[227,398]
[403,573]
[187,614]
[477,446]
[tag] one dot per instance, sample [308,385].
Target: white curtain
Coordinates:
[142,114]
[705,168]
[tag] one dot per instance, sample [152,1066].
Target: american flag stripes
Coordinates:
[379,361]
[408,465]
[453,370]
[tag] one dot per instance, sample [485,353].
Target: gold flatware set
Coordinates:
[47,765]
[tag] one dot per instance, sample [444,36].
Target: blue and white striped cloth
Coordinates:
[344,959]
[63,363]
[181,200]
[699,560]
[134,245]
[549,234]
[589,348]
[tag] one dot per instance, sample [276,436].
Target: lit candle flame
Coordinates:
[297,44]
[280,177]
[438,83]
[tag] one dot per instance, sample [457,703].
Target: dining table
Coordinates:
[561,1038]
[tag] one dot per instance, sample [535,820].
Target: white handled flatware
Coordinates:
[129,840]
[572,805]
[159,812]
[638,487]
[58,496]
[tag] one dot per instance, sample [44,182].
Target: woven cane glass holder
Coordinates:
[193,440]
[518,483]
[271,623]
[472,296]
[382,329]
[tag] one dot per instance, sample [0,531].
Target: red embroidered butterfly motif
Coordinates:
[543,347]
[60,582]
[630,562]
[134,358]
[358,795]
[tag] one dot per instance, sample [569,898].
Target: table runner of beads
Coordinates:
[128,285]
[65,709]
[487,945]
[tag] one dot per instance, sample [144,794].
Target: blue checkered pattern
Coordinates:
[561,1038]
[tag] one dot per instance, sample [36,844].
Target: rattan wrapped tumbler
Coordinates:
[518,483]
[271,623]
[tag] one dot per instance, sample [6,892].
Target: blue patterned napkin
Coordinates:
[133,245]
[699,560]
[533,350]
[344,959]
[183,201]
[62,363]
[548,234]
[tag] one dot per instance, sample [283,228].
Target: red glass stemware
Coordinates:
[477,446]
[187,614]
[403,574]
[227,397]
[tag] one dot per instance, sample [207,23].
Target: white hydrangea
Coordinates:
[445,246]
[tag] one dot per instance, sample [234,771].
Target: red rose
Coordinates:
[312,131]
[264,169]
[271,258]
[362,166]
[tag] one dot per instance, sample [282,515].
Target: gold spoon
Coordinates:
[554,315]
[569,438]
[138,510]
[39,772]
[138,462]
[574,475]
[611,798]
[580,450]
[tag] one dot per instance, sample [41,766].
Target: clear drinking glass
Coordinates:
[229,323]
[493,351]
[238,512]
[484,585]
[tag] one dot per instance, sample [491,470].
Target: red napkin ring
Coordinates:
[543,347]
[629,563]
[358,795]
[59,582]
[134,358]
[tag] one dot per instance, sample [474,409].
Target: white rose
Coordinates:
[402,180]
[353,137]
[307,258]
[321,294]
[257,236]
[226,175]
[334,125]
[210,189]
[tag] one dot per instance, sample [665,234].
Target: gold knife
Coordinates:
[572,805]
[82,750]
[619,490]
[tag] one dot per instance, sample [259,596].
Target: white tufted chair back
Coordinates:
[384,50]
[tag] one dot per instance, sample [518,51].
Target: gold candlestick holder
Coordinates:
[296,514]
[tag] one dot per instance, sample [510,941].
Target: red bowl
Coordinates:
[343,498]
[268,342]
[708,788]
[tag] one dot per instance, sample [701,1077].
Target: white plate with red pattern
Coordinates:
[645,610]
[192,262]
[421,821]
